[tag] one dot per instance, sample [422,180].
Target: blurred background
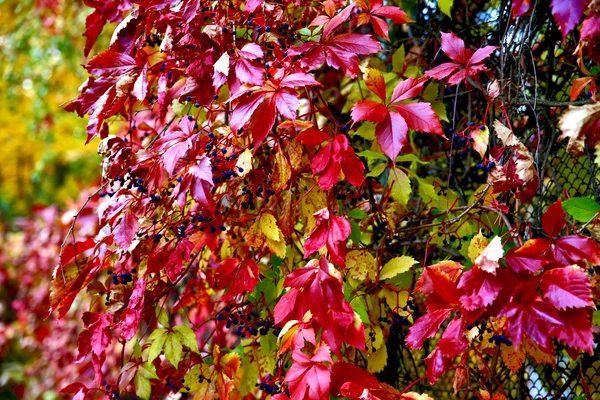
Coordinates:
[44,169]
[43,159]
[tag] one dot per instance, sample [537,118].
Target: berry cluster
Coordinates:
[500,339]
[272,387]
[122,279]
[247,323]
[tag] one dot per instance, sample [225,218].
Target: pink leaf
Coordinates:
[454,47]
[567,14]
[130,319]
[126,230]
[453,341]
[392,134]
[420,117]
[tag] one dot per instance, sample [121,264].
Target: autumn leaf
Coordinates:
[488,260]
[310,377]
[329,230]
[466,62]
[394,118]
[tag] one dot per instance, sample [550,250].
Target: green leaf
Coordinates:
[582,209]
[446,6]
[596,318]
[366,131]
[358,214]
[398,59]
[412,158]
[400,184]
[173,349]
[360,307]
[145,372]
[378,170]
[162,316]
[370,154]
[143,390]
[158,337]
[187,337]
[397,265]
[355,234]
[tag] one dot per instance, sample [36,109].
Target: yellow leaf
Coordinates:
[377,360]
[373,79]
[268,226]
[361,265]
[481,138]
[295,152]
[312,202]
[396,265]
[512,359]
[254,236]
[277,247]
[400,184]
[378,338]
[282,171]
[395,300]
[446,6]
[536,353]
[366,131]
[244,162]
[478,243]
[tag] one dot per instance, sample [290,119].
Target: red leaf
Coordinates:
[567,14]
[312,137]
[437,365]
[335,22]
[96,337]
[442,71]
[298,79]
[528,257]
[578,85]
[553,220]
[577,329]
[453,341]
[130,319]
[467,62]
[534,317]
[126,230]
[335,157]
[351,381]
[368,110]
[426,327]
[567,287]
[333,231]
[309,378]
[111,63]
[93,27]
[240,276]
[520,7]
[321,292]
[407,89]
[479,288]
[573,249]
